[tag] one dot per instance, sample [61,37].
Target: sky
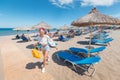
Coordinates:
[18,13]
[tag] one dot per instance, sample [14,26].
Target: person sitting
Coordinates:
[62,38]
[24,38]
[17,36]
[71,33]
[28,37]
[78,33]
[56,33]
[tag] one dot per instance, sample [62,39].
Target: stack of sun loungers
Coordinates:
[101,38]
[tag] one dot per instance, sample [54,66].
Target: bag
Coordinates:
[51,43]
[36,53]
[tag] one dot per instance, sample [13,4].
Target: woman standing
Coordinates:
[43,45]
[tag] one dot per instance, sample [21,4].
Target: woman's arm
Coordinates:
[35,44]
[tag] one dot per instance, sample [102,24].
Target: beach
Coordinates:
[19,64]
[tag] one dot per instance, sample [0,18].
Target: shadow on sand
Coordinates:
[87,43]
[87,37]
[83,42]
[14,39]
[56,59]
[60,62]
[31,46]
[21,41]
[32,65]
[55,39]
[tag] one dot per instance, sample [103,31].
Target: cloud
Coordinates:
[71,3]
[98,2]
[62,3]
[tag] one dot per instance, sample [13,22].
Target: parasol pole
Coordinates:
[100,29]
[90,39]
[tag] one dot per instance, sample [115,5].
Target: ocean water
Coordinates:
[10,31]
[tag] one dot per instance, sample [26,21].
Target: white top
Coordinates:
[46,40]
[43,40]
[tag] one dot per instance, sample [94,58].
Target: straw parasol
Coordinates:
[94,17]
[17,29]
[64,27]
[43,25]
[27,28]
[73,27]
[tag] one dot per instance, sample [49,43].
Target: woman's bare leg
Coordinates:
[45,57]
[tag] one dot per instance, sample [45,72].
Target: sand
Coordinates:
[18,63]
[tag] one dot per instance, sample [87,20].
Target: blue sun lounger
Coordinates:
[86,51]
[78,61]
[104,41]
[100,36]
[97,50]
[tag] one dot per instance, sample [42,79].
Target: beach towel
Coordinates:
[51,43]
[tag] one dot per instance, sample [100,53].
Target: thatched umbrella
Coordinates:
[17,29]
[74,27]
[42,25]
[95,18]
[64,27]
[27,28]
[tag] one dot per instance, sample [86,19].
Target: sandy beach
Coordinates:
[17,62]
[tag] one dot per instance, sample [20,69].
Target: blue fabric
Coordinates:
[103,41]
[77,59]
[107,40]
[97,49]
[100,36]
[89,60]
[61,38]
[82,50]
[24,38]
[39,46]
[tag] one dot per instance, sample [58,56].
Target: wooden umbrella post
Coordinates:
[99,32]
[90,40]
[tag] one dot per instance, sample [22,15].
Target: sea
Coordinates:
[10,31]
